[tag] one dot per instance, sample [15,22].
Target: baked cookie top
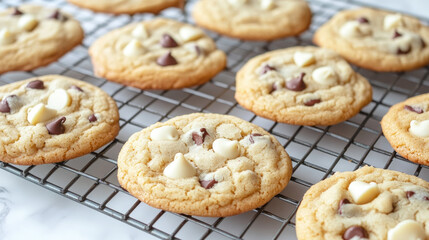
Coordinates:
[369,203]
[54,118]
[157,54]
[128,6]
[253,19]
[204,164]
[302,85]
[406,127]
[377,40]
[33,36]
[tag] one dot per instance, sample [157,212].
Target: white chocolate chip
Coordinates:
[267,4]
[226,148]
[392,21]
[40,113]
[6,37]
[190,33]
[308,97]
[363,192]
[179,168]
[350,29]
[14,103]
[168,133]
[133,49]
[324,75]
[407,229]
[237,3]
[303,59]
[59,99]
[140,31]
[27,22]
[419,129]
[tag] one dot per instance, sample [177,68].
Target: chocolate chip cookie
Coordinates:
[253,19]
[303,86]
[369,203]
[377,40]
[33,36]
[54,118]
[157,54]
[128,6]
[204,164]
[406,127]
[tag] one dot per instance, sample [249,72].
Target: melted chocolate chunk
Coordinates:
[400,51]
[413,109]
[312,102]
[16,12]
[166,60]
[207,184]
[396,34]
[58,16]
[199,139]
[410,194]
[251,140]
[267,68]
[341,203]
[56,127]
[4,105]
[168,41]
[296,84]
[362,20]
[76,88]
[36,84]
[355,231]
[92,118]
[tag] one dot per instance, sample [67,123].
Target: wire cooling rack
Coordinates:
[317,152]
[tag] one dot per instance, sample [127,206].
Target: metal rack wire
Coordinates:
[317,152]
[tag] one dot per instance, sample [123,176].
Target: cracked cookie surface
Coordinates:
[303,86]
[395,207]
[377,40]
[54,118]
[33,36]
[406,127]
[253,19]
[157,54]
[204,164]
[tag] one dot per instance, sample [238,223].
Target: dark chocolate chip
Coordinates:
[341,203]
[207,184]
[410,194]
[312,102]
[58,16]
[166,60]
[267,68]
[252,141]
[4,106]
[400,51]
[362,20]
[92,118]
[199,139]
[36,84]
[273,87]
[413,109]
[76,88]
[168,41]
[355,231]
[56,127]
[16,12]
[422,42]
[297,83]
[396,34]
[426,198]
[198,50]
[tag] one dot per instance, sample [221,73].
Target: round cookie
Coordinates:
[157,54]
[204,164]
[54,118]
[376,40]
[369,203]
[34,36]
[128,6]
[406,127]
[303,86]
[253,19]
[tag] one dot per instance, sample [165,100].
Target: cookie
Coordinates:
[253,19]
[204,164]
[34,36]
[54,118]
[406,127]
[303,86]
[369,203]
[157,54]
[128,6]
[376,40]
